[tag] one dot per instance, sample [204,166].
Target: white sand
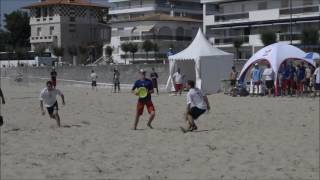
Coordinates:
[242,138]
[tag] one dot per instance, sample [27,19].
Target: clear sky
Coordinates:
[8,6]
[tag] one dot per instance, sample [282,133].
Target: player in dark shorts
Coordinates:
[154,77]
[145,101]
[54,75]
[233,81]
[197,104]
[48,97]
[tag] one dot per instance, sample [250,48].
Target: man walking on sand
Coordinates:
[256,79]
[48,97]
[94,78]
[146,84]
[178,82]
[197,104]
[116,80]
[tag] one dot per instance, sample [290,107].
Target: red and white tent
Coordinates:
[275,54]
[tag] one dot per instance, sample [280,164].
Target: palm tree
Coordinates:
[125,47]
[58,51]
[147,46]
[133,48]
[109,51]
[237,45]
[309,37]
[268,37]
[83,50]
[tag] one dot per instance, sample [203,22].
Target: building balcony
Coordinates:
[262,15]
[230,39]
[42,39]
[157,37]
[43,20]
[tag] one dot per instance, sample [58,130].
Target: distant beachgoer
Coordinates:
[233,81]
[285,74]
[154,77]
[178,82]
[256,78]
[317,80]
[94,78]
[301,72]
[54,75]
[308,77]
[3,102]
[292,79]
[116,80]
[144,84]
[269,78]
[2,97]
[197,104]
[48,97]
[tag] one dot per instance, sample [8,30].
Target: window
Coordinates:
[39,31]
[262,5]
[307,2]
[72,19]
[38,12]
[284,3]
[51,12]
[51,30]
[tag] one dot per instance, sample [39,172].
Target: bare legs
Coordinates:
[56,116]
[151,118]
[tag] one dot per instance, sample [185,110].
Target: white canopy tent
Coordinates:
[201,62]
[275,54]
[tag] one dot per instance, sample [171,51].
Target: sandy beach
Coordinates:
[241,138]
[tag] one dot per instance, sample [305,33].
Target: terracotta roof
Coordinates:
[161,17]
[65,2]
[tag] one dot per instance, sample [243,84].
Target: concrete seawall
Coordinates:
[128,73]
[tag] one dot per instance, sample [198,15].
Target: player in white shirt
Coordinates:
[178,82]
[317,80]
[94,78]
[269,78]
[48,98]
[197,104]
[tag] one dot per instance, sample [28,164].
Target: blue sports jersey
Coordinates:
[147,83]
[256,74]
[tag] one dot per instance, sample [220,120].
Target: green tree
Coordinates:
[17,24]
[309,37]
[4,40]
[237,45]
[39,50]
[147,46]
[20,53]
[268,37]
[133,48]
[125,47]
[58,51]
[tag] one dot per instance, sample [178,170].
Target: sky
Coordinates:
[8,6]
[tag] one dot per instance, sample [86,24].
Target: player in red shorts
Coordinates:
[144,101]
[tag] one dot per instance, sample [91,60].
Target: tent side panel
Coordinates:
[213,69]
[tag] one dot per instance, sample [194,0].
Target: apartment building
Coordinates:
[68,24]
[227,20]
[169,23]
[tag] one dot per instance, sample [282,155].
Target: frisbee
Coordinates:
[142,92]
